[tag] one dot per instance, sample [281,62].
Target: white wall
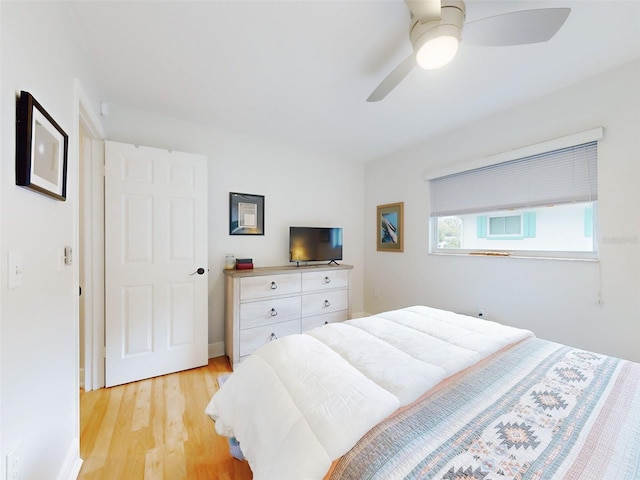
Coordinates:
[300,188]
[39,331]
[557,299]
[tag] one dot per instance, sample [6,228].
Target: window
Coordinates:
[542,204]
[508,225]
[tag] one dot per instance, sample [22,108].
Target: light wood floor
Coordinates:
[156,429]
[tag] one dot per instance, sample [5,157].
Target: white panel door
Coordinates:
[156,262]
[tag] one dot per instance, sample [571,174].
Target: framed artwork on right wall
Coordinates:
[390,225]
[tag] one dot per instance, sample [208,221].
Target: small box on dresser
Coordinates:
[270,302]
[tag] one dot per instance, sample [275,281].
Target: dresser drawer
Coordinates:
[267,312]
[269,285]
[325,302]
[323,280]
[309,323]
[253,338]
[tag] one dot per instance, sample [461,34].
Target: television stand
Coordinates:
[333,261]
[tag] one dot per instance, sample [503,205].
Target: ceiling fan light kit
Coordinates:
[437,47]
[435,42]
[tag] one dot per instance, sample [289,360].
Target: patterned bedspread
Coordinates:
[537,411]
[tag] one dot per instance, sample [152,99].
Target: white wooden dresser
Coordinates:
[267,303]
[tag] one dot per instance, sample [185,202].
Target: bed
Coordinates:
[423,393]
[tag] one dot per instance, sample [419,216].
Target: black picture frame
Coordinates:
[41,149]
[246,214]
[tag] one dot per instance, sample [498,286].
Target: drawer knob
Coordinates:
[326,280]
[327,303]
[274,286]
[272,337]
[273,313]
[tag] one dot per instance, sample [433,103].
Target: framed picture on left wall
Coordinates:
[41,149]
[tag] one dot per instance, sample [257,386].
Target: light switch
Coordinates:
[15,270]
[68,256]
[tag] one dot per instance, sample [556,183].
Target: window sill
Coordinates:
[586,257]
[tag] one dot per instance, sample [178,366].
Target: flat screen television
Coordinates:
[315,244]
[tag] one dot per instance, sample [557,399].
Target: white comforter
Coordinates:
[299,403]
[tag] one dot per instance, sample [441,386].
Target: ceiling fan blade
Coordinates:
[393,79]
[516,28]
[425,9]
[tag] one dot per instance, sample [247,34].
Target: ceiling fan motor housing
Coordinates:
[449,24]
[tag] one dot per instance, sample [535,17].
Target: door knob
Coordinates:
[199,271]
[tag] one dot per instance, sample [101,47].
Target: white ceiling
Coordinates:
[299,72]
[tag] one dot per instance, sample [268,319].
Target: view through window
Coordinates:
[556,228]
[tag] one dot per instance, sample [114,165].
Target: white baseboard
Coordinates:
[216,349]
[72,463]
[82,378]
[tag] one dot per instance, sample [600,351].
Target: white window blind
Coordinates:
[560,176]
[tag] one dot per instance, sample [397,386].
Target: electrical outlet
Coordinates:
[13,463]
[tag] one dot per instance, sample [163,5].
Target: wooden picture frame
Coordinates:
[246,214]
[41,149]
[390,227]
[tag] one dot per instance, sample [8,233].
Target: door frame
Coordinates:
[90,256]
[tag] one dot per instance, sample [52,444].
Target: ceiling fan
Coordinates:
[436,30]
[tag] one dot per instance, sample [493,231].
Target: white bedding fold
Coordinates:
[295,405]
[302,401]
[399,373]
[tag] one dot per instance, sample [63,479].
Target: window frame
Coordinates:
[528,229]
